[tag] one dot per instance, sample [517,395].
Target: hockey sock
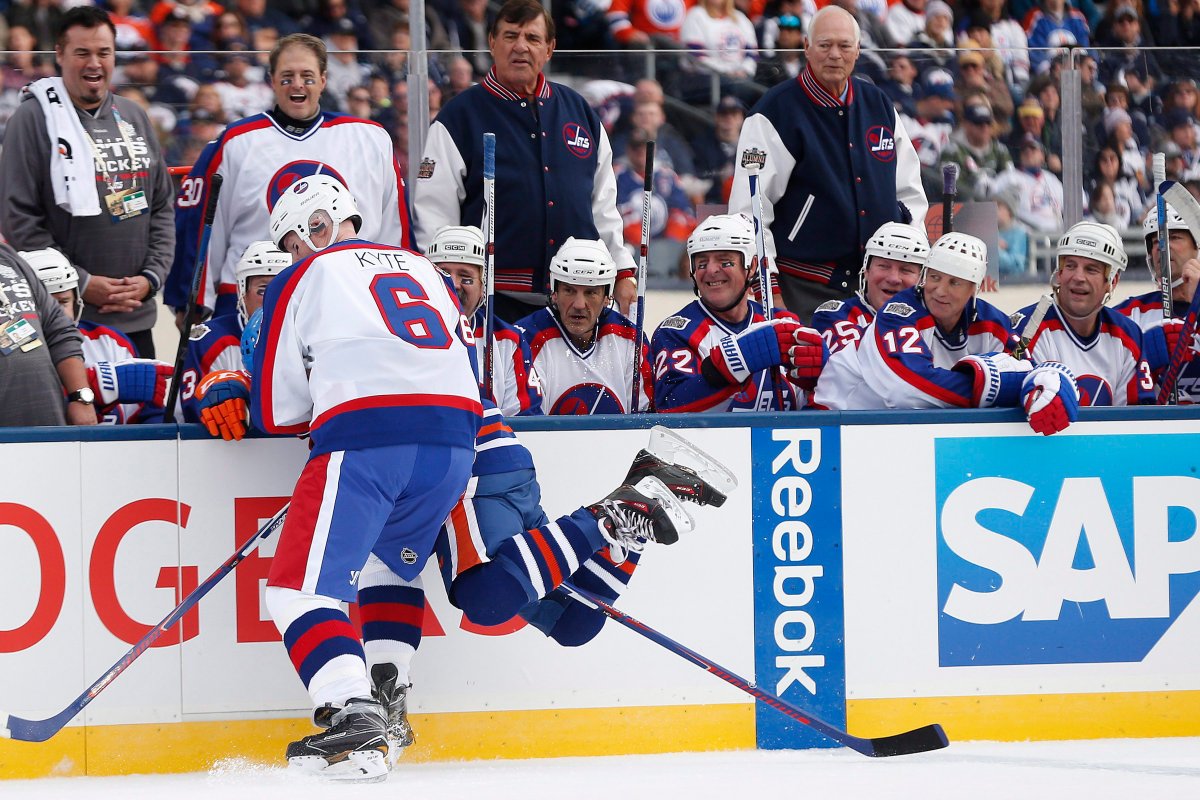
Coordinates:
[391,611]
[578,624]
[322,644]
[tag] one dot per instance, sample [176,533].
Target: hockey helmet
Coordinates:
[1096,241]
[960,255]
[1150,228]
[731,232]
[583,262]
[249,341]
[458,244]
[260,258]
[296,208]
[896,241]
[52,268]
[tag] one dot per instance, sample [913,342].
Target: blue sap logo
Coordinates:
[1076,549]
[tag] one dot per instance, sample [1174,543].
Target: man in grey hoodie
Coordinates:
[123,253]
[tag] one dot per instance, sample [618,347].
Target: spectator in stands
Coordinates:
[1142,85]
[873,35]
[19,67]
[973,146]
[134,29]
[1128,46]
[40,17]
[787,60]
[141,70]
[469,29]
[330,16]
[358,103]
[1030,119]
[930,129]
[1102,207]
[1009,39]
[1046,92]
[671,218]
[264,40]
[635,23]
[242,89]
[390,13]
[767,25]
[672,150]
[1181,94]
[1013,238]
[905,20]
[229,29]
[1118,127]
[1128,195]
[1177,25]
[1041,194]
[1054,24]
[460,76]
[174,35]
[931,48]
[200,14]
[1181,129]
[1116,95]
[1091,89]
[723,43]
[34,379]
[345,70]
[900,87]
[257,14]
[975,80]
[716,149]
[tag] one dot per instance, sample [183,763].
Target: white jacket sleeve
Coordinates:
[908,176]
[605,215]
[438,195]
[758,133]
[391,215]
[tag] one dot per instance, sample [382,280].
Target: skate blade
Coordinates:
[653,487]
[359,766]
[674,449]
[395,752]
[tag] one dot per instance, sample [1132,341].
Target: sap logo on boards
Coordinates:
[1077,549]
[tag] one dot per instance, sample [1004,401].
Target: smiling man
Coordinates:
[102,197]
[554,175]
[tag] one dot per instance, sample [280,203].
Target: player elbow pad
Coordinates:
[995,378]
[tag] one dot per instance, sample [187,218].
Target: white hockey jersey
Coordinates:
[593,381]
[258,160]
[361,347]
[102,343]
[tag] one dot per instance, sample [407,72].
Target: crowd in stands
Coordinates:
[975,80]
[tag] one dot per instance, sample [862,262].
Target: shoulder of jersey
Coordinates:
[199,331]
[830,306]
[898,309]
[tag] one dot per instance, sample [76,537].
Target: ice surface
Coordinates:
[1124,769]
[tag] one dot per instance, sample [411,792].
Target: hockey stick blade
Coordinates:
[1185,205]
[918,740]
[39,730]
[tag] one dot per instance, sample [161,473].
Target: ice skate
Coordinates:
[393,697]
[689,472]
[353,748]
[634,515]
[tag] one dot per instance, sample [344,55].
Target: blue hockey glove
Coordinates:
[1158,342]
[996,378]
[223,396]
[135,380]
[759,347]
[1050,398]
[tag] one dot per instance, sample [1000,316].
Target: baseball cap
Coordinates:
[1029,140]
[790,22]
[970,57]
[345,27]
[978,114]
[937,7]
[1126,11]
[1030,110]
[937,83]
[1114,117]
[1176,118]
[730,103]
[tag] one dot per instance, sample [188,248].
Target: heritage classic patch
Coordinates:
[425,171]
[754,158]
[674,323]
[899,309]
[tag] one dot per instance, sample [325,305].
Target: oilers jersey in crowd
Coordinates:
[268,160]
[212,345]
[1146,311]
[1109,367]
[905,361]
[683,340]
[841,322]
[514,383]
[361,348]
[597,380]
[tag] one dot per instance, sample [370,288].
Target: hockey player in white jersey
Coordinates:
[937,345]
[719,352]
[583,348]
[1147,309]
[892,262]
[1104,349]
[216,388]
[126,389]
[362,348]
[458,251]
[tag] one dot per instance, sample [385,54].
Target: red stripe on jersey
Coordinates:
[296,538]
[543,546]
[896,365]
[399,401]
[211,354]
[317,635]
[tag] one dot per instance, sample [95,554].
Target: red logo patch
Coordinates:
[881,143]
[577,139]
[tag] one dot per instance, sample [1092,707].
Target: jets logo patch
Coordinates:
[577,139]
[674,323]
[830,305]
[881,143]
[899,309]
[198,332]
[425,171]
[754,158]
[297,171]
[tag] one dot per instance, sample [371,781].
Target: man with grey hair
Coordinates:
[835,163]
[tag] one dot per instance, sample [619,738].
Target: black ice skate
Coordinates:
[353,748]
[634,515]
[689,472]
[393,697]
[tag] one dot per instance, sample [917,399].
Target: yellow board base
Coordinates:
[1014,718]
[197,746]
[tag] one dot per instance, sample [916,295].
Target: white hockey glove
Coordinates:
[1050,398]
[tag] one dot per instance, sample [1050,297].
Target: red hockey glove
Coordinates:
[805,356]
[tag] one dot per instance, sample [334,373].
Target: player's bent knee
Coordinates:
[489,595]
[577,626]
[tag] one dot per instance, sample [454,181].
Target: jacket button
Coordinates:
[551,241]
[862,213]
[858,180]
[852,145]
[522,104]
[551,204]
[844,284]
[533,136]
[545,169]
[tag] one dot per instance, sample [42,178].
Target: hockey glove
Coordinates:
[223,396]
[996,378]
[135,380]
[1050,398]
[805,357]
[759,347]
[1158,343]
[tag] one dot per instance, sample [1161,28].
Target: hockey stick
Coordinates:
[764,272]
[489,257]
[1031,326]
[189,311]
[1186,207]
[39,730]
[647,190]
[918,740]
[949,194]
[1159,170]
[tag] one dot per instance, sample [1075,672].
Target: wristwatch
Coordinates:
[84,395]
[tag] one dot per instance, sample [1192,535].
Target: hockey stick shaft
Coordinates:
[949,195]
[1189,209]
[1159,171]
[764,270]
[918,740]
[189,312]
[39,730]
[489,257]
[643,258]
[1031,326]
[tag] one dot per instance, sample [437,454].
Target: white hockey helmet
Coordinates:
[896,241]
[958,254]
[583,262]
[52,268]
[260,258]
[295,208]
[458,244]
[1096,241]
[731,232]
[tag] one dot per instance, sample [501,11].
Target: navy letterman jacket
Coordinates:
[554,177]
[832,171]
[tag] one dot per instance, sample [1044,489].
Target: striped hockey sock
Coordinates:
[545,556]
[391,611]
[322,644]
